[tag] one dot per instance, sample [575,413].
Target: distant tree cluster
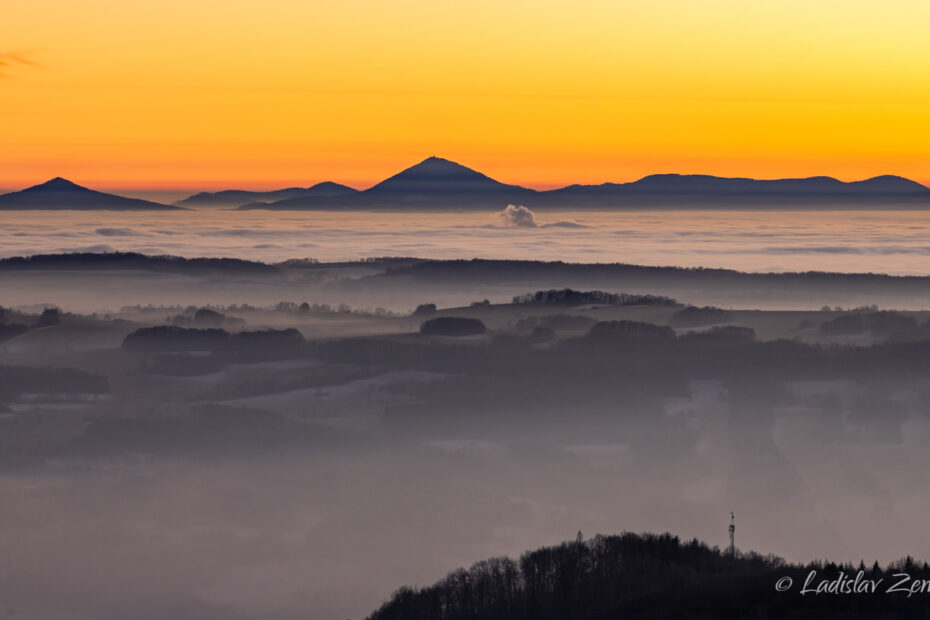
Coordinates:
[291,307]
[49,317]
[569,297]
[171,338]
[300,262]
[152,309]
[205,317]
[866,308]
[211,318]
[388,260]
[425,310]
[452,326]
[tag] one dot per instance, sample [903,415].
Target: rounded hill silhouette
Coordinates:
[62,194]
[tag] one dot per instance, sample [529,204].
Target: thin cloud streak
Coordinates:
[12,60]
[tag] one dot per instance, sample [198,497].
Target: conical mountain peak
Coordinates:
[435,175]
[57,184]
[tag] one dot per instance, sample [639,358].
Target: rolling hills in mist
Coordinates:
[226,439]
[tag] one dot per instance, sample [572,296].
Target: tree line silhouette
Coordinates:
[570,297]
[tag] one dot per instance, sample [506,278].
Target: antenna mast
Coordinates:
[732,549]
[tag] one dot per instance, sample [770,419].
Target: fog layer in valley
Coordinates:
[322,434]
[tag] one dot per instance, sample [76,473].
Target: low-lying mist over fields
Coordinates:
[231,439]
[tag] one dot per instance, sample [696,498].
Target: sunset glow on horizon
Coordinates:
[247,94]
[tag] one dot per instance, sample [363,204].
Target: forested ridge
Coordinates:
[654,576]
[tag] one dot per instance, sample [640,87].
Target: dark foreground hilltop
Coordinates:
[658,576]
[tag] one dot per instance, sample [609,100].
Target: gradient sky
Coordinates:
[222,93]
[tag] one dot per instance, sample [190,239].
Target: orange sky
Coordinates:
[255,94]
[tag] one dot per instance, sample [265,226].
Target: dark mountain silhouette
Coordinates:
[237,197]
[890,184]
[434,183]
[437,183]
[436,176]
[704,184]
[61,194]
[708,191]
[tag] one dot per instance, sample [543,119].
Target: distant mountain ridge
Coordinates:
[237,197]
[433,182]
[700,183]
[437,184]
[62,194]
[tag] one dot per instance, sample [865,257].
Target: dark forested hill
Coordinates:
[659,576]
[87,261]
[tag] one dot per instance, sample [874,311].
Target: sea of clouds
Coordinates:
[850,241]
